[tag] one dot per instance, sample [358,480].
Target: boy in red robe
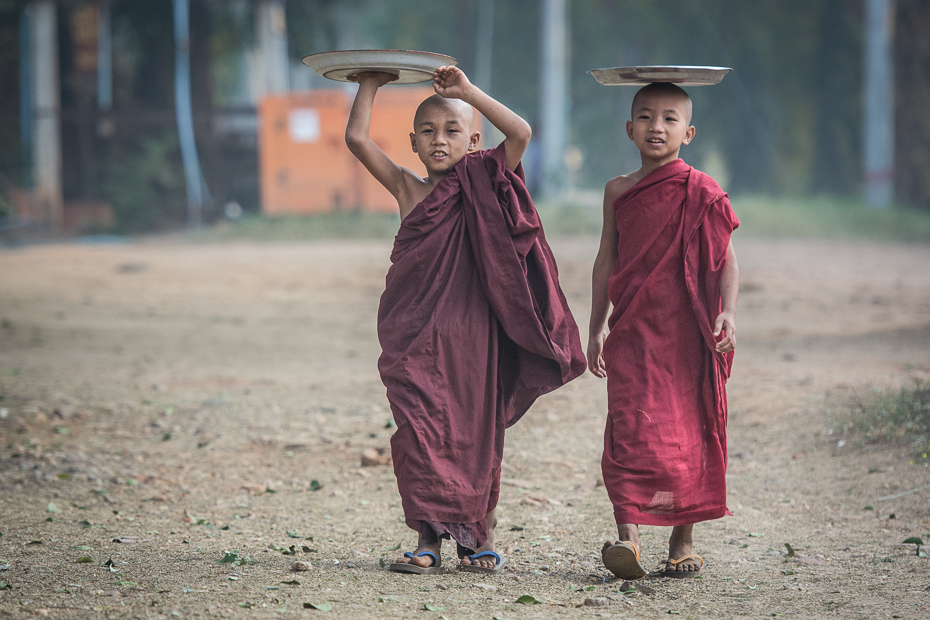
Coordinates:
[472,323]
[667,266]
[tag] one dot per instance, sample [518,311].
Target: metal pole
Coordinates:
[26,133]
[554,112]
[272,32]
[183,108]
[104,58]
[878,139]
[47,113]
[484,46]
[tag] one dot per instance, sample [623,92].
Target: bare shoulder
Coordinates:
[617,185]
[415,190]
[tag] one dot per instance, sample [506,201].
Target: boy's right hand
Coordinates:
[596,355]
[378,77]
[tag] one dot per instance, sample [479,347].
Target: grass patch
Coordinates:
[570,219]
[761,216]
[770,217]
[877,415]
[340,225]
[829,218]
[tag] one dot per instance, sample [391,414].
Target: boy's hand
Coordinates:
[596,355]
[450,82]
[378,77]
[726,324]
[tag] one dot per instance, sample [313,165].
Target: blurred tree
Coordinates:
[230,36]
[837,93]
[147,188]
[11,154]
[912,86]
[319,25]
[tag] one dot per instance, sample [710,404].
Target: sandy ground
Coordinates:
[195,399]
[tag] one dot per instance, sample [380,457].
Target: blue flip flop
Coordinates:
[471,568]
[403,567]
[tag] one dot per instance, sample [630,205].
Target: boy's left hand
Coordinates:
[450,82]
[726,324]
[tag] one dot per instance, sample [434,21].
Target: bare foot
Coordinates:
[628,532]
[680,545]
[488,560]
[423,561]
[622,558]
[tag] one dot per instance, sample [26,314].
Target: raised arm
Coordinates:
[729,290]
[452,82]
[389,174]
[603,266]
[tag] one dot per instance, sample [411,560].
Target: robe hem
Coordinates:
[672,519]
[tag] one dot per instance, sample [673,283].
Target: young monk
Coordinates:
[472,323]
[667,266]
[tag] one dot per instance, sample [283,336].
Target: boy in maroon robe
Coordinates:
[667,266]
[472,323]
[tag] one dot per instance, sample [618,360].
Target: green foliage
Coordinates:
[6,208]
[788,117]
[915,540]
[880,415]
[145,184]
[233,557]
[314,25]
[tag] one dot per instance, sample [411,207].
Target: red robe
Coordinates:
[473,327]
[665,447]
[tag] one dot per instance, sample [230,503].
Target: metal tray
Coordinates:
[677,74]
[409,66]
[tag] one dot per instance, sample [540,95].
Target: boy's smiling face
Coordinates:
[661,124]
[443,134]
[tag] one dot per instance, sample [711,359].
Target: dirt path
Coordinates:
[153,391]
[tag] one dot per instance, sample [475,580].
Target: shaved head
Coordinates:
[662,89]
[456,106]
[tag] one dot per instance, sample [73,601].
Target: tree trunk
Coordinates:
[912,101]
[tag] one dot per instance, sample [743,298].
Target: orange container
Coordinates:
[305,166]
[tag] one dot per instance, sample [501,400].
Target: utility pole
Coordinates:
[185,114]
[484,48]
[555,100]
[46,152]
[105,58]
[878,139]
[26,96]
[272,41]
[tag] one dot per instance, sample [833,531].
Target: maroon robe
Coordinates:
[473,327]
[665,447]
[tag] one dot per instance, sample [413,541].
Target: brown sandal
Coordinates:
[622,559]
[682,574]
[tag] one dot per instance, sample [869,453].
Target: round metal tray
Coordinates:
[676,74]
[409,66]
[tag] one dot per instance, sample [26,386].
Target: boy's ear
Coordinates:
[689,135]
[473,141]
[629,129]
[413,141]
